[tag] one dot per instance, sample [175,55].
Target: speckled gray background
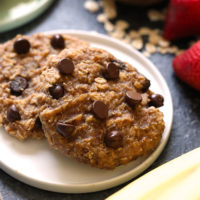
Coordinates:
[185,135]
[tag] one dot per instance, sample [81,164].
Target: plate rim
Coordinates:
[19,21]
[112,182]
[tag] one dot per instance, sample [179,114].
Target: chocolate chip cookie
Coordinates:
[22,60]
[100,110]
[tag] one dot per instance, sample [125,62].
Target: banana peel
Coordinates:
[178,179]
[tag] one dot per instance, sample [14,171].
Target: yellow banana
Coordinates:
[178,179]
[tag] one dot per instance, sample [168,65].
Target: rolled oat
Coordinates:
[91,6]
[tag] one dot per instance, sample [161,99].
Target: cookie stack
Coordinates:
[88,104]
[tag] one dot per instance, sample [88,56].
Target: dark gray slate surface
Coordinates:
[185,135]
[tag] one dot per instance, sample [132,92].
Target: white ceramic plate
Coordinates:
[14,13]
[34,163]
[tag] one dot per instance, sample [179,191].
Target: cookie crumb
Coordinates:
[91,6]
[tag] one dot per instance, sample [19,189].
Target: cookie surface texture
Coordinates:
[22,60]
[104,117]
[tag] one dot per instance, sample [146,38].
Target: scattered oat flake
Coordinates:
[146,54]
[179,52]
[150,48]
[126,40]
[109,8]
[121,24]
[156,31]
[133,34]
[91,6]
[101,18]
[155,15]
[144,31]
[173,49]
[154,39]
[117,34]
[163,50]
[137,43]
[163,43]
[109,27]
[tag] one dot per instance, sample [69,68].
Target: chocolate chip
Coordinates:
[156,100]
[113,139]
[146,85]
[38,124]
[100,109]
[133,98]
[57,41]
[18,85]
[56,91]
[66,66]
[65,129]
[112,71]
[21,46]
[120,64]
[13,114]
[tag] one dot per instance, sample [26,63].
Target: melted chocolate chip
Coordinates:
[66,66]
[112,71]
[38,124]
[146,85]
[156,100]
[133,98]
[113,139]
[65,129]
[57,41]
[18,85]
[56,91]
[13,114]
[21,46]
[120,64]
[100,109]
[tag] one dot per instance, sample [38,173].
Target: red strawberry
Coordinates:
[187,66]
[183,19]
